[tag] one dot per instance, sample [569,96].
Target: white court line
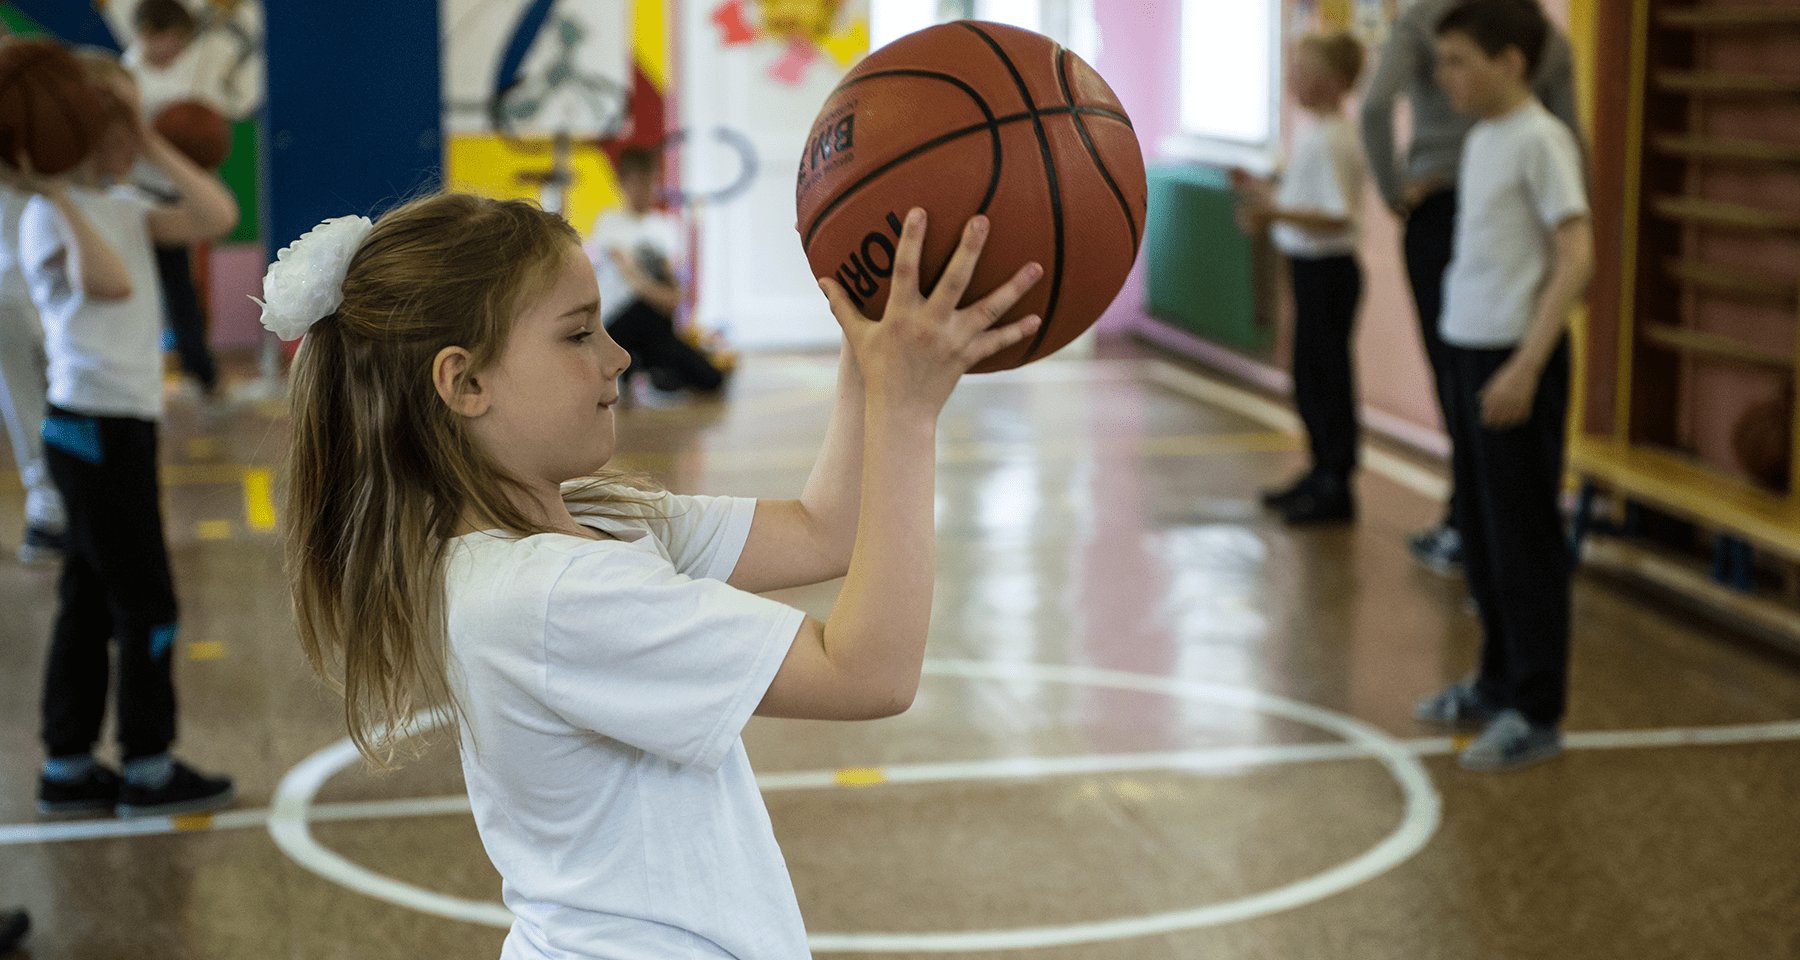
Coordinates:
[1212,762]
[1277,417]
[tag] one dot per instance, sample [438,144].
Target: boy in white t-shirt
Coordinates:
[1524,254]
[1315,216]
[86,250]
[174,59]
[635,250]
[23,389]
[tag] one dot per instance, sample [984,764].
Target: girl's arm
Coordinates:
[206,209]
[798,542]
[864,662]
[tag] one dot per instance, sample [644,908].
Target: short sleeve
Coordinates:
[705,536]
[40,236]
[657,660]
[1552,171]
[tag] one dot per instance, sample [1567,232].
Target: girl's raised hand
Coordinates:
[923,345]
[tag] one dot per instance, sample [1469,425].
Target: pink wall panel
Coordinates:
[236,276]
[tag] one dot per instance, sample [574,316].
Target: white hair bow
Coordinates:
[305,284]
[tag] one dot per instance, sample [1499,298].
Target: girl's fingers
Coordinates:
[904,288]
[992,307]
[955,281]
[841,306]
[1001,338]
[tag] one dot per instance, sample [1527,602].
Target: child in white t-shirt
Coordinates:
[1524,253]
[176,58]
[1315,217]
[636,250]
[23,389]
[86,251]
[452,542]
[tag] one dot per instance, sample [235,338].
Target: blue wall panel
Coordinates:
[354,110]
[75,21]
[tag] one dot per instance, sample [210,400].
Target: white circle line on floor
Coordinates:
[1210,761]
[289,826]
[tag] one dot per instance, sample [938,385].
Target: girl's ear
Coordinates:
[456,385]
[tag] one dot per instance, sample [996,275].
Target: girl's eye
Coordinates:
[581,337]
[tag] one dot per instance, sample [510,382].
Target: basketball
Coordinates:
[48,109]
[1763,442]
[197,130]
[971,118]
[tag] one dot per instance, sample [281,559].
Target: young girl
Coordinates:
[86,251]
[452,542]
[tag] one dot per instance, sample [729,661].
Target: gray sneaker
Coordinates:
[1456,707]
[1438,550]
[1511,742]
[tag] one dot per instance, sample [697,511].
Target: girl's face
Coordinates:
[549,397]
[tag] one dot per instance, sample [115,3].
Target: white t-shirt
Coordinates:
[208,69]
[1326,176]
[12,282]
[106,356]
[1521,180]
[648,238]
[604,686]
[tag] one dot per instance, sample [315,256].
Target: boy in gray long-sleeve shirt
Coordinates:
[1422,191]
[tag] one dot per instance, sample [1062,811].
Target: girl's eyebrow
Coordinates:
[586,308]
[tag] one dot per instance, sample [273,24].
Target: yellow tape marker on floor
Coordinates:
[860,777]
[259,503]
[1461,741]
[192,822]
[206,650]
[213,529]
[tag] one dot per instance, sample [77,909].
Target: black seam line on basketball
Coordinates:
[1056,210]
[993,129]
[973,128]
[1062,78]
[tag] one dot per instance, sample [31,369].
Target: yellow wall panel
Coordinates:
[491,167]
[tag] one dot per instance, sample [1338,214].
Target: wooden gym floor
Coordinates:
[1156,724]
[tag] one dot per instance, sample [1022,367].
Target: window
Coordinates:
[1230,77]
[1069,22]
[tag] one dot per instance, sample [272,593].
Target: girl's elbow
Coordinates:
[895,702]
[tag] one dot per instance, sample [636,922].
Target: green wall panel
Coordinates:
[1202,267]
[241,173]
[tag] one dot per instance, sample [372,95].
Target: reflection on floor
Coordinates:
[1158,724]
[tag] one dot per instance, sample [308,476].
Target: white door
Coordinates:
[754,281]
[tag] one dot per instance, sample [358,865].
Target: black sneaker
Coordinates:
[186,792]
[13,926]
[94,793]
[1324,500]
[1283,497]
[42,546]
